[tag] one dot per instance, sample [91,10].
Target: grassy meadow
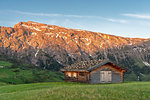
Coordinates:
[21,81]
[76,91]
[13,72]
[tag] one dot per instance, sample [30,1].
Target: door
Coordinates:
[105,76]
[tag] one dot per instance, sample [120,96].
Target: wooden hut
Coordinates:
[94,71]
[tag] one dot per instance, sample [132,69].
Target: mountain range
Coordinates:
[52,47]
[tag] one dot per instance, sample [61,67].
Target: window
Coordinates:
[82,74]
[75,75]
[69,74]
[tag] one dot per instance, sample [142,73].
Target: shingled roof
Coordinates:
[85,65]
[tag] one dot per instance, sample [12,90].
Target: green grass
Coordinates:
[10,76]
[2,84]
[76,91]
[7,76]
[5,63]
[19,73]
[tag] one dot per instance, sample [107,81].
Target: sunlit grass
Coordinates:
[75,91]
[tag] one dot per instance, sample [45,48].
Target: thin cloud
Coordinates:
[117,20]
[53,15]
[37,14]
[141,16]
[71,16]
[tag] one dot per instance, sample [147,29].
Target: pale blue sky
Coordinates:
[128,18]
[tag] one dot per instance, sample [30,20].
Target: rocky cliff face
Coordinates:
[43,44]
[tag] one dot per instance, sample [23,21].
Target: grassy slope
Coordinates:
[5,63]
[19,73]
[75,91]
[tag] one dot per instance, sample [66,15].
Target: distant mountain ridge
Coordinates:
[43,44]
[30,34]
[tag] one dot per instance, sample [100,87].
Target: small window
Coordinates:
[82,74]
[69,74]
[75,75]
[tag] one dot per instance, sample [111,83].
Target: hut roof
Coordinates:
[86,65]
